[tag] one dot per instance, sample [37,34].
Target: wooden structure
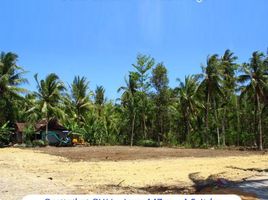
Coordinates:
[17,137]
[57,133]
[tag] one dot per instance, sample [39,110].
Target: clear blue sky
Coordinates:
[100,39]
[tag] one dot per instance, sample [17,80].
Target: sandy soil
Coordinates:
[35,171]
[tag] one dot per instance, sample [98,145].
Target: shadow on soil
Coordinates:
[249,169]
[155,189]
[252,187]
[212,184]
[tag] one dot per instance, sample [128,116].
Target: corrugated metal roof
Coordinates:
[52,124]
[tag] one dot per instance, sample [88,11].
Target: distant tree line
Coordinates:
[225,105]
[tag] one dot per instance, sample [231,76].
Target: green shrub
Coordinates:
[28,133]
[5,132]
[171,139]
[148,143]
[28,143]
[38,143]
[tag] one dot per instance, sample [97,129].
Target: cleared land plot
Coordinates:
[117,170]
[118,153]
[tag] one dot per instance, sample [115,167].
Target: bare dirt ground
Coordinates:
[124,170]
[118,153]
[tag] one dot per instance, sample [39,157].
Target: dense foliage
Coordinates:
[226,104]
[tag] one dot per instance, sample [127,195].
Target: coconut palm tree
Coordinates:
[255,77]
[189,102]
[128,100]
[80,98]
[99,95]
[228,68]
[11,77]
[99,98]
[211,87]
[49,93]
[29,109]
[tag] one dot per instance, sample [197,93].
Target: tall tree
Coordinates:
[128,100]
[99,98]
[143,65]
[160,83]
[189,103]
[256,79]
[80,98]
[11,78]
[211,86]
[49,94]
[228,68]
[29,110]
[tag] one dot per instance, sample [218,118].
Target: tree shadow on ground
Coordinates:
[161,189]
[253,187]
[247,189]
[153,189]
[199,183]
[249,169]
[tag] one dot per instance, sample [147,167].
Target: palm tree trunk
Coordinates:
[259,122]
[144,126]
[238,122]
[206,118]
[255,127]
[216,119]
[161,128]
[46,136]
[132,129]
[187,117]
[223,125]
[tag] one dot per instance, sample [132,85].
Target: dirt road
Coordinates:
[81,171]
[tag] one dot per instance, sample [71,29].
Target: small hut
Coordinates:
[57,133]
[17,137]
